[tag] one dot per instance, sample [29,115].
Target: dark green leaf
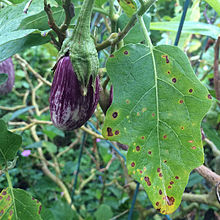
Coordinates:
[103,212]
[20,112]
[9,144]
[157,110]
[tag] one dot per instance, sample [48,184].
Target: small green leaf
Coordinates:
[52,148]
[157,110]
[18,204]
[9,144]
[99,3]
[129,6]
[3,78]
[103,212]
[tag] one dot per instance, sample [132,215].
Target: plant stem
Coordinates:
[145,32]
[127,28]
[11,189]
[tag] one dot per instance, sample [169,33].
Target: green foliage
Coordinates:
[129,7]
[9,144]
[104,212]
[164,145]
[19,205]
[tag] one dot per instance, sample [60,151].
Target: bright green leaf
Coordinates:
[157,110]
[18,205]
[129,6]
[9,144]
[99,3]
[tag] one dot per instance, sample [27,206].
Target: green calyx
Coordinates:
[81,47]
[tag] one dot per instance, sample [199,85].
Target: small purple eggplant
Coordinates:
[7,67]
[69,108]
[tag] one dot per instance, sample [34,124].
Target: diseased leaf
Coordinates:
[9,144]
[129,6]
[157,110]
[18,205]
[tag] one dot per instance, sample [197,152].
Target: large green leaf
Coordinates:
[18,205]
[9,144]
[189,27]
[157,110]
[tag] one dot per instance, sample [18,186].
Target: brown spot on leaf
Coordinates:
[174,80]
[111,55]
[167,59]
[165,136]
[1,197]
[40,209]
[165,161]
[193,147]
[171,182]
[158,170]
[149,152]
[4,193]
[109,130]
[168,72]
[181,101]
[117,132]
[133,164]
[157,203]
[126,52]
[138,148]
[11,212]
[190,90]
[169,187]
[209,96]
[8,198]
[142,137]
[147,180]
[153,114]
[115,114]
[170,200]
[182,128]
[160,175]
[160,192]
[141,171]
[176,177]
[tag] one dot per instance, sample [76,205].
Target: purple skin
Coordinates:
[7,67]
[69,109]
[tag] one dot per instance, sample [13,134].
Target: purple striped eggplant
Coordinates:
[69,108]
[7,67]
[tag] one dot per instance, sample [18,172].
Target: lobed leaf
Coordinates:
[157,110]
